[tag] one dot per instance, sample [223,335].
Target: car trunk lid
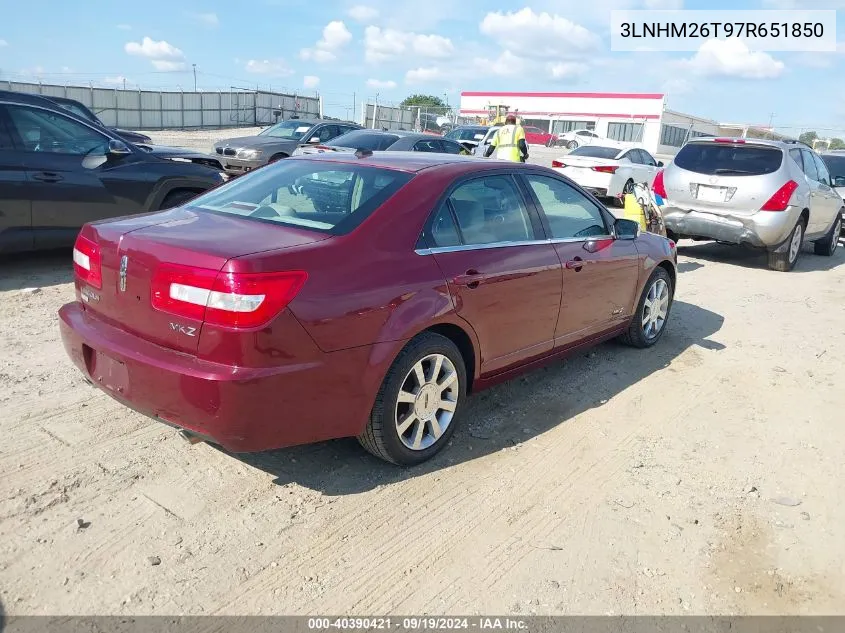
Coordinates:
[134,249]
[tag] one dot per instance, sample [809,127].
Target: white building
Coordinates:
[640,118]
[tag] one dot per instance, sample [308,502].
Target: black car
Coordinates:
[391,141]
[59,171]
[79,110]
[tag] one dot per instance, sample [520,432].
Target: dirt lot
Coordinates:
[701,476]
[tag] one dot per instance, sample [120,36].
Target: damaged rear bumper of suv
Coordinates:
[763,229]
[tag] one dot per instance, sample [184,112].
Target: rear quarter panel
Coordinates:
[654,251]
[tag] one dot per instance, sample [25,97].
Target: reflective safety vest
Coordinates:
[506,142]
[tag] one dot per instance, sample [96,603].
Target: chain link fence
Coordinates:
[432,120]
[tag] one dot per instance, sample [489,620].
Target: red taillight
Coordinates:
[87,262]
[236,300]
[739,141]
[658,187]
[780,200]
[606,169]
[558,164]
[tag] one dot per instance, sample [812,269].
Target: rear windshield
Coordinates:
[729,159]
[593,151]
[363,139]
[467,134]
[836,166]
[313,194]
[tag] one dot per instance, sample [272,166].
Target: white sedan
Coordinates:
[608,172]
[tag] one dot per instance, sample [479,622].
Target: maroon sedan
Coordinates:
[357,295]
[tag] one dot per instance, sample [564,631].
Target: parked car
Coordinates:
[228,318]
[468,135]
[835,162]
[245,153]
[608,172]
[536,136]
[59,171]
[394,141]
[577,138]
[485,142]
[766,194]
[77,108]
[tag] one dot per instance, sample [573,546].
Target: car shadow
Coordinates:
[754,258]
[503,416]
[36,270]
[688,267]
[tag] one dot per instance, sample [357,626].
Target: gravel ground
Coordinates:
[702,476]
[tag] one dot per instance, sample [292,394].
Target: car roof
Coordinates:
[780,144]
[43,101]
[414,162]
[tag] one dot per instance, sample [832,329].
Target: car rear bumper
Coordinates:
[764,229]
[241,409]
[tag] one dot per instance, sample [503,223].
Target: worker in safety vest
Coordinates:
[509,142]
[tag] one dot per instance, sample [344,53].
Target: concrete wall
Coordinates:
[162,110]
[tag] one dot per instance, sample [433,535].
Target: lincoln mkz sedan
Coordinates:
[355,295]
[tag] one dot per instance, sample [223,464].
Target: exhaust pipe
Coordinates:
[190,438]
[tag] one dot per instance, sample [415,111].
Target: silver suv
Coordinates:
[759,193]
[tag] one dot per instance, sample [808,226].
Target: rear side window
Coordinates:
[320,195]
[810,166]
[821,168]
[729,159]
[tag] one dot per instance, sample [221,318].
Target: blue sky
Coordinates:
[352,49]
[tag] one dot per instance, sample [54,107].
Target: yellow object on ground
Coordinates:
[633,211]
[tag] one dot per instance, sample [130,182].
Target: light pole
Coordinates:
[195,77]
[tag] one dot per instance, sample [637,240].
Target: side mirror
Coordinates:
[118,148]
[660,163]
[314,139]
[626,229]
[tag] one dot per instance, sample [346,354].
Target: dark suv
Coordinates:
[59,171]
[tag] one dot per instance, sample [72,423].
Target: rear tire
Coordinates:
[785,261]
[628,187]
[827,245]
[407,425]
[572,145]
[177,198]
[652,315]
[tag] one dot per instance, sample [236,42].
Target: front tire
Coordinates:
[785,261]
[572,145]
[652,315]
[416,408]
[827,245]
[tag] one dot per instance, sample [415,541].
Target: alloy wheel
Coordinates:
[426,402]
[795,244]
[655,308]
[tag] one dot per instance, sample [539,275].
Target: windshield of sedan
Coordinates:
[292,129]
[364,139]
[320,195]
[594,151]
[467,134]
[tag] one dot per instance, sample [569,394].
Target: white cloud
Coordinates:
[732,58]
[335,37]
[541,35]
[677,86]
[119,80]
[384,44]
[163,55]
[567,70]
[207,19]
[361,13]
[506,65]
[3,43]
[804,4]
[124,27]
[311,82]
[423,75]
[378,83]
[269,67]
[665,5]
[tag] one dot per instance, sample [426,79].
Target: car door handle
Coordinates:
[471,279]
[47,176]
[575,264]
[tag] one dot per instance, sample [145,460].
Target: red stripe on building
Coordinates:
[568,95]
[524,113]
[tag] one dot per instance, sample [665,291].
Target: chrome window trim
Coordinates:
[476,247]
